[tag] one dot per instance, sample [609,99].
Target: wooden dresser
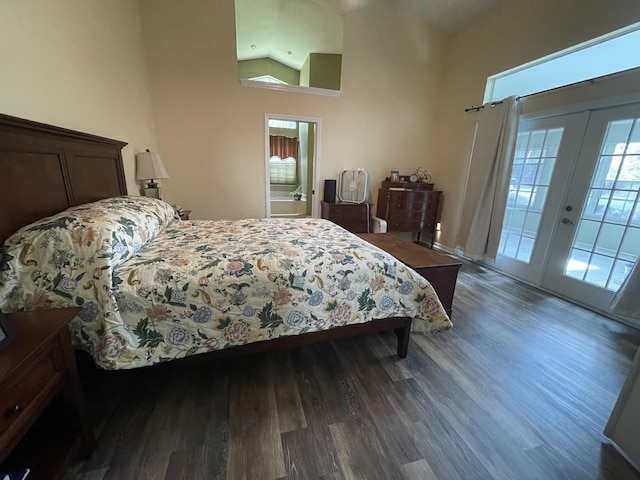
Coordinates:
[43,424]
[409,207]
[355,217]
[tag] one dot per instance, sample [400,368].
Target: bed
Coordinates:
[154,288]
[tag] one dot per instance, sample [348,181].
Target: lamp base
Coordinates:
[153,192]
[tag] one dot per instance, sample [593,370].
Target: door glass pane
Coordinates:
[578,264]
[596,204]
[599,269]
[635,218]
[629,247]
[620,206]
[586,235]
[533,164]
[531,223]
[607,238]
[525,249]
[620,271]
[616,137]
[509,244]
[545,170]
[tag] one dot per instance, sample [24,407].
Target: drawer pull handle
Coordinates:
[13,411]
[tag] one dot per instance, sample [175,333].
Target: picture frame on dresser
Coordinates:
[6,332]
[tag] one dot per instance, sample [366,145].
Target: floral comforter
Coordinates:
[154,288]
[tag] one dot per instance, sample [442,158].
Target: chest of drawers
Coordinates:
[409,207]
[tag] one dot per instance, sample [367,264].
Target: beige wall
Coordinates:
[78,64]
[517,32]
[211,129]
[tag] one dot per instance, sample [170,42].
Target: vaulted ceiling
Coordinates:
[288,30]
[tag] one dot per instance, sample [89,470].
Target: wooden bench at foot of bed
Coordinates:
[441,270]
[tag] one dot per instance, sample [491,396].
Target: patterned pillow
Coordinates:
[45,263]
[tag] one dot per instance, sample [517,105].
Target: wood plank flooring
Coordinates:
[521,388]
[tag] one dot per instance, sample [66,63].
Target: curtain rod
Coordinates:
[569,85]
[477,109]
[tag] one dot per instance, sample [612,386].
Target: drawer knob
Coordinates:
[13,411]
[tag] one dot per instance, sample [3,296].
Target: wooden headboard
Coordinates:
[46,169]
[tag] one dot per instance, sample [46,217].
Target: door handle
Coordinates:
[566,221]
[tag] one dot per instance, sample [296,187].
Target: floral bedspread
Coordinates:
[199,286]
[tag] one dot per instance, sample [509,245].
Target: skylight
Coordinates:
[611,53]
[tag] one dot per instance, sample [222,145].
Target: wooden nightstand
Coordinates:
[355,217]
[185,214]
[43,423]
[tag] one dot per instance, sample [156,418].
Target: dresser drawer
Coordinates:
[348,217]
[410,207]
[28,391]
[346,209]
[351,216]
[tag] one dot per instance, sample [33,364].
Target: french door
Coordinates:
[543,159]
[572,222]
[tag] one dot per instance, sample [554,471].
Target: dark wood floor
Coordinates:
[521,388]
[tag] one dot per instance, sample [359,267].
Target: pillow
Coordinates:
[46,262]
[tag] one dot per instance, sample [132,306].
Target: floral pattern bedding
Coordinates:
[154,288]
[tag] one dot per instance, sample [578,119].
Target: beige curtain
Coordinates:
[626,301]
[488,180]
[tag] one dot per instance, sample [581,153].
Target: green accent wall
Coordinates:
[268,66]
[321,70]
[325,70]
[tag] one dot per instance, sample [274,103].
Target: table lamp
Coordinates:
[149,167]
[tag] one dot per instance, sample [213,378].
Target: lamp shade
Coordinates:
[149,166]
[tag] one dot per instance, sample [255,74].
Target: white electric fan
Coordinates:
[353,186]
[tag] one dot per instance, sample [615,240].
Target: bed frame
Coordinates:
[46,169]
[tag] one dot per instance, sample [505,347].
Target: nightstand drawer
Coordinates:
[43,423]
[29,391]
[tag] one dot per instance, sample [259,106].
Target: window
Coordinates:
[615,52]
[282,171]
[268,79]
[283,124]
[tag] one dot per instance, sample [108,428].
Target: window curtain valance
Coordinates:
[283,147]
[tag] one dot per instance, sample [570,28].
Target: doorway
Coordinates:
[291,160]
[572,221]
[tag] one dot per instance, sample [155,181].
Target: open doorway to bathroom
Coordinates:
[291,146]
